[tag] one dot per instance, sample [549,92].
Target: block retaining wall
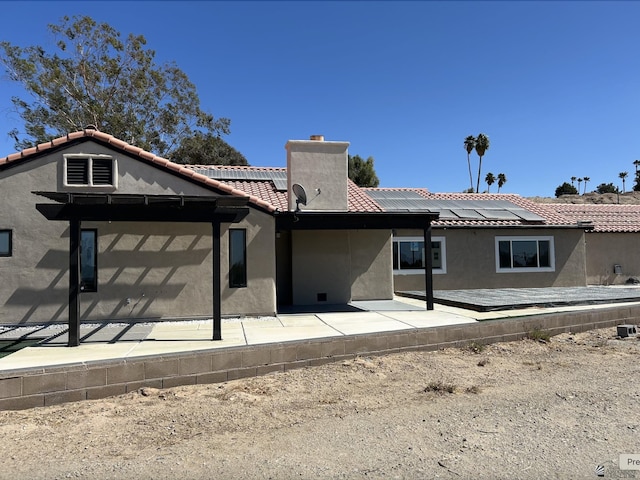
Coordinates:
[38,387]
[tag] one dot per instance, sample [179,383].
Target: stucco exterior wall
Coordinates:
[371,272]
[604,250]
[343,265]
[471,260]
[322,169]
[259,296]
[145,270]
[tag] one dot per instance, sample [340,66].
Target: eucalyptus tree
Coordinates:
[469,145]
[482,145]
[95,77]
[490,179]
[502,179]
[623,177]
[636,163]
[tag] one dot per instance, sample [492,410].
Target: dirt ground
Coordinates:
[527,409]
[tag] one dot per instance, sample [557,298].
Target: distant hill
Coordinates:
[628,198]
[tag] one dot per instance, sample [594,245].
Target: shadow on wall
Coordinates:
[134,270]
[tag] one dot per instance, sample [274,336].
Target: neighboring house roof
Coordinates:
[470,209]
[605,218]
[140,154]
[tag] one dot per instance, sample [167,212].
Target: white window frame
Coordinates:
[90,158]
[552,254]
[418,271]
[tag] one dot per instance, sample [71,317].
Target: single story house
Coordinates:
[612,241]
[93,228]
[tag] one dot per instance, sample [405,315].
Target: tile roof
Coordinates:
[262,193]
[605,218]
[142,155]
[550,216]
[357,199]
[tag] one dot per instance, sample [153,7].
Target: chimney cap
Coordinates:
[317,138]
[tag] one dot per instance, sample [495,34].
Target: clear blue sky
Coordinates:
[555,85]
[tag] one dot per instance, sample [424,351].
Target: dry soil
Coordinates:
[527,409]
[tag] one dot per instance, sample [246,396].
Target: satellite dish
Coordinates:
[301,195]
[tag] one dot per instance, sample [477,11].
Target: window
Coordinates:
[89,171]
[88,260]
[237,258]
[6,243]
[408,255]
[525,254]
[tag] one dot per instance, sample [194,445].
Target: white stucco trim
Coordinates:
[420,271]
[552,254]
[90,157]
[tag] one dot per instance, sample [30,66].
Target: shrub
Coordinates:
[476,347]
[440,387]
[539,335]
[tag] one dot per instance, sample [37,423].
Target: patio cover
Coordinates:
[305,220]
[78,207]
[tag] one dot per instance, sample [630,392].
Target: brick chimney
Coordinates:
[321,168]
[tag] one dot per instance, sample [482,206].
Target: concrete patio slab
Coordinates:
[297,320]
[362,322]
[121,340]
[55,355]
[258,334]
[429,319]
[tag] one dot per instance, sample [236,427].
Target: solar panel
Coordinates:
[278,177]
[280,184]
[467,214]
[446,214]
[477,209]
[394,194]
[495,214]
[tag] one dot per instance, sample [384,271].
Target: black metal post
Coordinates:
[217,314]
[74,282]
[428,267]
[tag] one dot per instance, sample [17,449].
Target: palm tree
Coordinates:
[579,180]
[636,163]
[586,180]
[482,145]
[490,179]
[623,176]
[469,145]
[573,179]
[502,179]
